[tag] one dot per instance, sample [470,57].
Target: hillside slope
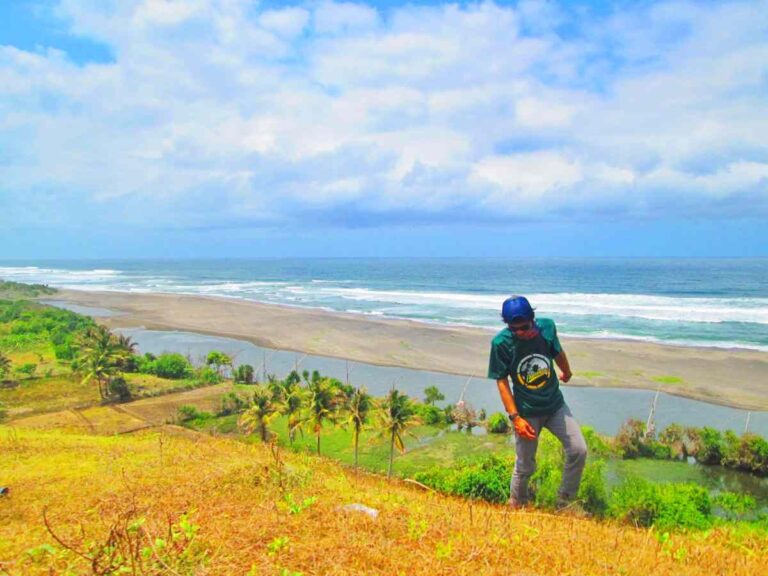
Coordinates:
[240,509]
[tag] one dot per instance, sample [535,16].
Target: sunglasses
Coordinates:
[522,328]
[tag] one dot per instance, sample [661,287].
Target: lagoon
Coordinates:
[605,409]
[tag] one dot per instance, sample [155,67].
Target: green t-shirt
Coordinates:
[529,365]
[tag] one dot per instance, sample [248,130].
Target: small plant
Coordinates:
[294,507]
[417,528]
[277,545]
[130,548]
[27,370]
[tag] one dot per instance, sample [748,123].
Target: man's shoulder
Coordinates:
[503,337]
[545,323]
[547,328]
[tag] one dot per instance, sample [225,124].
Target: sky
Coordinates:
[235,128]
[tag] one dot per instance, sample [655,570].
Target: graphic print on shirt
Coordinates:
[534,371]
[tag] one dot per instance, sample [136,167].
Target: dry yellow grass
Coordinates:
[241,497]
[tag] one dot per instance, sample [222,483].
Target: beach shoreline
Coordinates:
[731,377]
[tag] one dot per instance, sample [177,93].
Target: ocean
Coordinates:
[696,302]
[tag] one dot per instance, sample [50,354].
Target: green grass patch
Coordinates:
[430,446]
[668,379]
[590,374]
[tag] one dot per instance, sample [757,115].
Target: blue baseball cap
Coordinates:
[516,308]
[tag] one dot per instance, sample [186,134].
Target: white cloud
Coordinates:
[165,12]
[444,109]
[288,22]
[529,176]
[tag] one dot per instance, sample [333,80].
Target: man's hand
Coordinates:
[565,377]
[524,429]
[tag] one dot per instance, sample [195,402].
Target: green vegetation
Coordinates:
[432,395]
[243,374]
[498,423]
[53,359]
[748,452]
[667,379]
[397,418]
[262,410]
[589,374]
[358,408]
[17,291]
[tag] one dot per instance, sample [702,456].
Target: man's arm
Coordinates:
[521,425]
[562,362]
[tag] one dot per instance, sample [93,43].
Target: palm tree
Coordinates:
[99,357]
[397,416]
[358,406]
[126,344]
[293,398]
[260,414]
[5,365]
[323,400]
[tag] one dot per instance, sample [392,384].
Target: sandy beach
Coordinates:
[737,378]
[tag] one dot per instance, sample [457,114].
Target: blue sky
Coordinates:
[162,128]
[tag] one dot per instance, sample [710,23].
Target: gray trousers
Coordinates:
[563,425]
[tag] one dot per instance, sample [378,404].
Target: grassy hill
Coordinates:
[177,502]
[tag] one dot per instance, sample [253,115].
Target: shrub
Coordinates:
[755,454]
[485,480]
[735,505]
[207,375]
[173,366]
[231,404]
[186,413]
[545,482]
[749,453]
[629,440]
[593,494]
[218,360]
[498,423]
[244,374]
[429,414]
[635,501]
[27,369]
[118,387]
[432,395]
[597,446]
[673,436]
[710,446]
[665,506]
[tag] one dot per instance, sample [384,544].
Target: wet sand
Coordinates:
[737,378]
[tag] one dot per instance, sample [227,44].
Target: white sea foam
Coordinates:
[607,313]
[750,310]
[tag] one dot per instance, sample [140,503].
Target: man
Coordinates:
[524,352]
